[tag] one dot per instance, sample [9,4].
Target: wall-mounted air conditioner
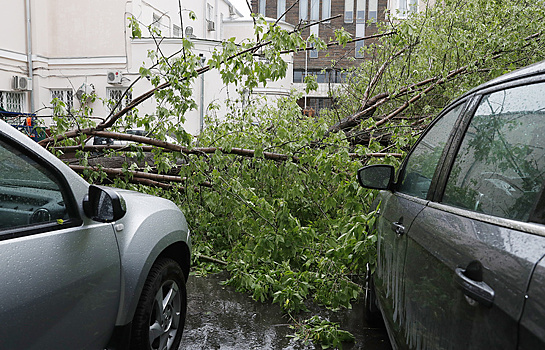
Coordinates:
[85,90]
[114,77]
[210,25]
[21,83]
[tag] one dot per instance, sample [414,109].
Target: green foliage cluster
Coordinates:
[323,332]
[290,230]
[487,38]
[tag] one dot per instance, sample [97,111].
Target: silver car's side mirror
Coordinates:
[103,204]
[377,177]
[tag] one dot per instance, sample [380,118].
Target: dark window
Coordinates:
[29,193]
[423,160]
[298,76]
[500,167]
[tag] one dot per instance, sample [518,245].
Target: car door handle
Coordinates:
[476,290]
[398,228]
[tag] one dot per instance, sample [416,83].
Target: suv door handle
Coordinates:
[398,228]
[476,290]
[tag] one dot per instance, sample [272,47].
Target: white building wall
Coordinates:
[79,42]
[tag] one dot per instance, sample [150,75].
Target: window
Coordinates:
[262,6]
[64,95]
[421,164]
[176,31]
[156,22]
[115,95]
[314,30]
[360,11]
[402,7]
[314,11]
[348,11]
[322,76]
[373,11]
[500,167]
[326,9]
[303,10]
[298,76]
[359,45]
[316,104]
[413,6]
[12,101]
[280,8]
[29,193]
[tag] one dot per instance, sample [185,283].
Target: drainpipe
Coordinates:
[29,55]
[202,60]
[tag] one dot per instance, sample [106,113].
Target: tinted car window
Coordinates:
[421,164]
[29,194]
[499,169]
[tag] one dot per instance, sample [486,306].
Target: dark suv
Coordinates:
[461,234]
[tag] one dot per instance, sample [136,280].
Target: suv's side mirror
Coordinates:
[377,177]
[103,204]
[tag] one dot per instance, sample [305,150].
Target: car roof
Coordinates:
[528,71]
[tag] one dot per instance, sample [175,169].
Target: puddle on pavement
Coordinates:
[218,317]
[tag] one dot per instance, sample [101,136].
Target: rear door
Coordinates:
[470,254]
[397,211]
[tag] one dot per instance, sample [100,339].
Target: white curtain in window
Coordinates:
[280,8]
[326,9]
[360,11]
[373,10]
[315,10]
[348,11]
[303,10]
[262,6]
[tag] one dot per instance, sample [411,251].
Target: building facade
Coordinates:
[61,48]
[358,17]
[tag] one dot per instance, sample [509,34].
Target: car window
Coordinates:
[499,169]
[421,164]
[29,193]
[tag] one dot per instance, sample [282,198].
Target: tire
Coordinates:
[372,312]
[156,326]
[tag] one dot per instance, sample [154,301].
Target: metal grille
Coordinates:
[12,101]
[115,95]
[65,95]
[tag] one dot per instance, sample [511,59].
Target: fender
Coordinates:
[140,243]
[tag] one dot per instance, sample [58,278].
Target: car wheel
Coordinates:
[372,312]
[160,315]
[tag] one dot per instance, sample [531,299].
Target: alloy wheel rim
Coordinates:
[165,316]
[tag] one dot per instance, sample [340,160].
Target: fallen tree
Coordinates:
[272,193]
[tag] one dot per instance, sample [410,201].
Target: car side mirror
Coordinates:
[376,177]
[103,204]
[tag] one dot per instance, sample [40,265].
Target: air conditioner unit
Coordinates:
[21,83]
[189,32]
[114,77]
[211,25]
[85,89]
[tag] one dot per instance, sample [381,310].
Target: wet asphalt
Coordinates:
[218,317]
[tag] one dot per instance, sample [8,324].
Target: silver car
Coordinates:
[83,266]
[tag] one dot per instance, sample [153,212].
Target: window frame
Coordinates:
[72,205]
[450,143]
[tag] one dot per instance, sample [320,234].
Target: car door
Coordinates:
[60,275]
[397,211]
[471,251]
